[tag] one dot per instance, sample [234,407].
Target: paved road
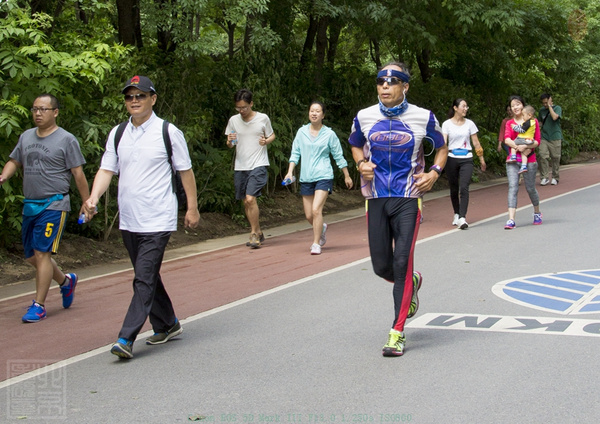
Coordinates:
[277,335]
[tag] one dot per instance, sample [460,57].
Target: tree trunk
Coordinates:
[308,42]
[334,35]
[128,23]
[375,53]
[164,35]
[231,38]
[423,62]
[321,49]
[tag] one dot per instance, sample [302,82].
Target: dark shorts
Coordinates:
[43,231]
[250,183]
[308,189]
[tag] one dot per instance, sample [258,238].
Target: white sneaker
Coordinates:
[554,182]
[455,220]
[544,181]
[462,224]
[323,238]
[315,249]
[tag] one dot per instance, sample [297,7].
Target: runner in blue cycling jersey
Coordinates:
[387,146]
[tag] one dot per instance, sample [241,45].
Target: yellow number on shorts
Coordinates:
[49,227]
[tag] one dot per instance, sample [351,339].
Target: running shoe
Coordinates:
[414,302]
[554,181]
[537,219]
[160,338]
[510,224]
[323,238]
[455,220]
[544,181]
[123,349]
[315,249]
[395,344]
[523,169]
[261,238]
[462,224]
[511,159]
[254,242]
[35,313]
[68,290]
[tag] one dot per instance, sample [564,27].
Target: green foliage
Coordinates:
[482,51]
[73,61]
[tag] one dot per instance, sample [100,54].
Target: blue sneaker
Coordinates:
[537,219]
[123,349]
[510,224]
[35,313]
[68,290]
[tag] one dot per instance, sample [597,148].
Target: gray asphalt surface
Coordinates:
[310,352]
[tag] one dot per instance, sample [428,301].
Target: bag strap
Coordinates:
[119,135]
[169,148]
[166,139]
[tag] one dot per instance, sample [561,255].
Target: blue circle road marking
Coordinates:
[572,292]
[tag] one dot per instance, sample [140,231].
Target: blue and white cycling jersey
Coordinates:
[395,145]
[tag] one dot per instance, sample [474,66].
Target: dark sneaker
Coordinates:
[261,239]
[68,290]
[254,242]
[323,238]
[160,338]
[414,303]
[395,344]
[35,313]
[123,349]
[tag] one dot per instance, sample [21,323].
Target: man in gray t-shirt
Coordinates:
[49,156]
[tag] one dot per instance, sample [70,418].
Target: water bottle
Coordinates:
[82,220]
[233,142]
[288,181]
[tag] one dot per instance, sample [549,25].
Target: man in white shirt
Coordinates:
[250,132]
[148,209]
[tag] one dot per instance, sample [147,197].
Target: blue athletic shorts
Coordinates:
[43,231]
[250,182]
[308,189]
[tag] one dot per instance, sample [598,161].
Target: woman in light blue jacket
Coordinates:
[314,143]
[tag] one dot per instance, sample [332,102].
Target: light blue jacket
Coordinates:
[316,164]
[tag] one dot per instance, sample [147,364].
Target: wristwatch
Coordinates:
[436,168]
[359,162]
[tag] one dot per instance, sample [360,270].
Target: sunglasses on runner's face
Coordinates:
[389,80]
[139,96]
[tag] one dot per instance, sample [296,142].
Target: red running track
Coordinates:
[209,280]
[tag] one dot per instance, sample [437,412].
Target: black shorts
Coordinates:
[250,183]
[308,189]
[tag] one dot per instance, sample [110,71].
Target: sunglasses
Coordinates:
[139,97]
[389,80]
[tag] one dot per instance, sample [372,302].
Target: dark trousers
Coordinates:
[393,227]
[150,298]
[459,172]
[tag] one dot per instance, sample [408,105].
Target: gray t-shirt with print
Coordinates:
[47,163]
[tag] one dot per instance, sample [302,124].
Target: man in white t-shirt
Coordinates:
[147,207]
[250,132]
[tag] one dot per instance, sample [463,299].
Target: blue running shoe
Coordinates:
[68,290]
[537,219]
[35,313]
[123,349]
[510,224]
